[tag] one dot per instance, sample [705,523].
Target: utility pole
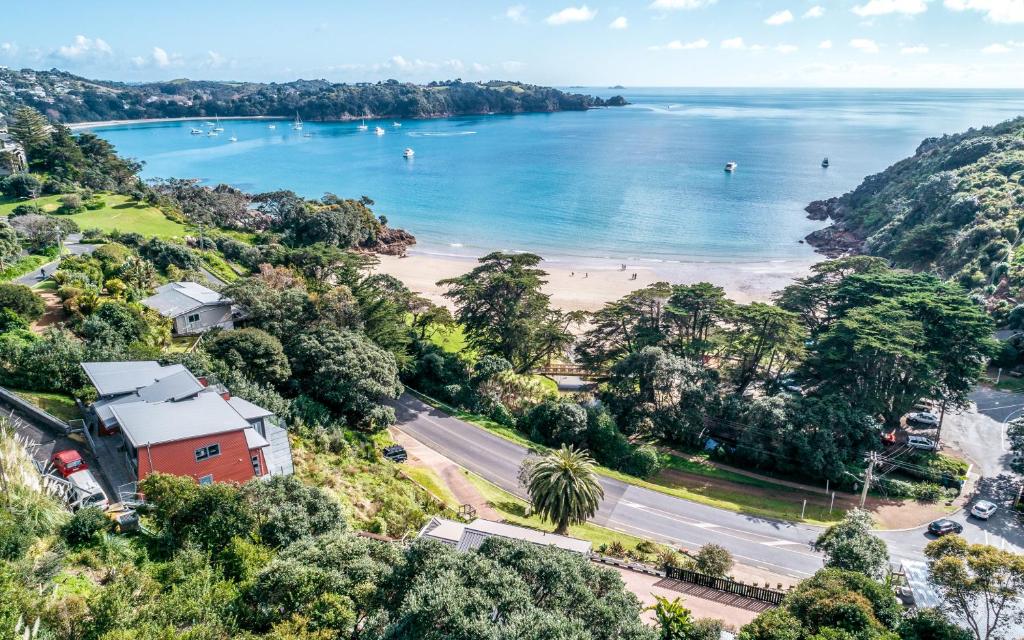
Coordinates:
[872,459]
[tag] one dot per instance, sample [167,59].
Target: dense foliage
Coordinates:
[70,98]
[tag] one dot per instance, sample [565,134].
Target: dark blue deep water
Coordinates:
[643,181]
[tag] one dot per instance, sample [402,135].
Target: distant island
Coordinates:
[67,98]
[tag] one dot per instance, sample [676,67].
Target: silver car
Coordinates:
[920,442]
[926,418]
[983,509]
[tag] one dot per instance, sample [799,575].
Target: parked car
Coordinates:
[926,418]
[86,491]
[944,526]
[396,453]
[920,442]
[68,462]
[889,438]
[983,509]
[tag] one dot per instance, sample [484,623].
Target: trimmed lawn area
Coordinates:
[453,340]
[118,212]
[56,404]
[513,510]
[46,285]
[433,483]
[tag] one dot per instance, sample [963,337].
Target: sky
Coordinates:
[682,43]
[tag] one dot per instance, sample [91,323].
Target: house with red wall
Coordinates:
[172,422]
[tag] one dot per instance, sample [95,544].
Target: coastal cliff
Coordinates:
[956,207]
[68,98]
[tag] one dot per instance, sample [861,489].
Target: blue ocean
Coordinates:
[642,182]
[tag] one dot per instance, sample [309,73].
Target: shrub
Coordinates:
[22,301]
[71,203]
[25,210]
[642,462]
[14,538]
[20,185]
[929,492]
[713,560]
[84,526]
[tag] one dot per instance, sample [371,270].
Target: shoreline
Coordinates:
[95,124]
[587,284]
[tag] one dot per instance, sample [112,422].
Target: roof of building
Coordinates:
[175,298]
[176,386]
[154,423]
[472,535]
[114,378]
[254,440]
[248,410]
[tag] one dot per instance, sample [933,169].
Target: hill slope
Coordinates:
[65,97]
[955,207]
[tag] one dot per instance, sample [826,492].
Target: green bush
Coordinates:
[929,492]
[84,526]
[642,462]
[14,539]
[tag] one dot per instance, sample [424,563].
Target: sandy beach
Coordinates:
[588,285]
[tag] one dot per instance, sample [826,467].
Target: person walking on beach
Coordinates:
[572,274]
[586,275]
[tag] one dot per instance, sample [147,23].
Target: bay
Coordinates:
[643,182]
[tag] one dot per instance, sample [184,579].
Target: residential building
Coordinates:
[12,156]
[465,537]
[193,308]
[170,421]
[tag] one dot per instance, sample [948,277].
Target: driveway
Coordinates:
[72,246]
[776,546]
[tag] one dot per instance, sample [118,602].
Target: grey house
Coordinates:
[193,308]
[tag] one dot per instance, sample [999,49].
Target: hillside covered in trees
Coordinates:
[956,207]
[65,97]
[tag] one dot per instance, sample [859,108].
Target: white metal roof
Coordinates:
[472,535]
[114,378]
[175,298]
[152,423]
[254,440]
[248,410]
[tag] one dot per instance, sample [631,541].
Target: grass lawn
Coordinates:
[453,340]
[218,266]
[182,344]
[433,483]
[513,510]
[56,404]
[118,212]
[741,494]
[23,265]
[46,285]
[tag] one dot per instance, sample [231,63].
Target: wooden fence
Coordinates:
[770,596]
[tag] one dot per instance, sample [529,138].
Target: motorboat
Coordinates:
[730,166]
[211,133]
[408,153]
[824,163]
[196,132]
[273,126]
[379,131]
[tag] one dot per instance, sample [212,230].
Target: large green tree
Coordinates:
[504,312]
[30,129]
[762,342]
[564,488]
[254,352]
[850,545]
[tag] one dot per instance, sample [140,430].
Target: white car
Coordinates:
[983,509]
[85,491]
[920,442]
[927,418]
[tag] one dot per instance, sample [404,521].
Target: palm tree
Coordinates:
[564,488]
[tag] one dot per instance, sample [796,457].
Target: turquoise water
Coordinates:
[640,182]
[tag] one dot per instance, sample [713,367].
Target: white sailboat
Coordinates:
[233,138]
[379,131]
[362,126]
[396,125]
[195,131]
[297,125]
[217,128]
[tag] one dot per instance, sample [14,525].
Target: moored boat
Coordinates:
[408,153]
[730,166]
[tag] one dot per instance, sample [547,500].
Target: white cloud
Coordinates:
[1002,11]
[568,15]
[84,47]
[512,66]
[733,43]
[516,13]
[865,45]
[8,48]
[815,12]
[160,57]
[996,48]
[679,45]
[214,60]
[619,23]
[886,7]
[479,68]
[913,50]
[779,17]
[786,48]
[674,5]
[825,44]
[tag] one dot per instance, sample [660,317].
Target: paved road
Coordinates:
[779,546]
[72,245]
[782,547]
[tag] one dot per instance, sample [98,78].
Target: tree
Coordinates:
[814,298]
[675,622]
[564,489]
[10,248]
[22,301]
[625,326]
[714,560]
[286,510]
[557,423]
[849,545]
[40,232]
[30,129]
[504,312]
[348,373]
[21,185]
[774,624]
[254,352]
[764,341]
[694,315]
[979,584]
[931,624]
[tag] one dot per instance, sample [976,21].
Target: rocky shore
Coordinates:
[835,240]
[391,242]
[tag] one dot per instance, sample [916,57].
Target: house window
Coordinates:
[207,479]
[193,318]
[257,468]
[209,451]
